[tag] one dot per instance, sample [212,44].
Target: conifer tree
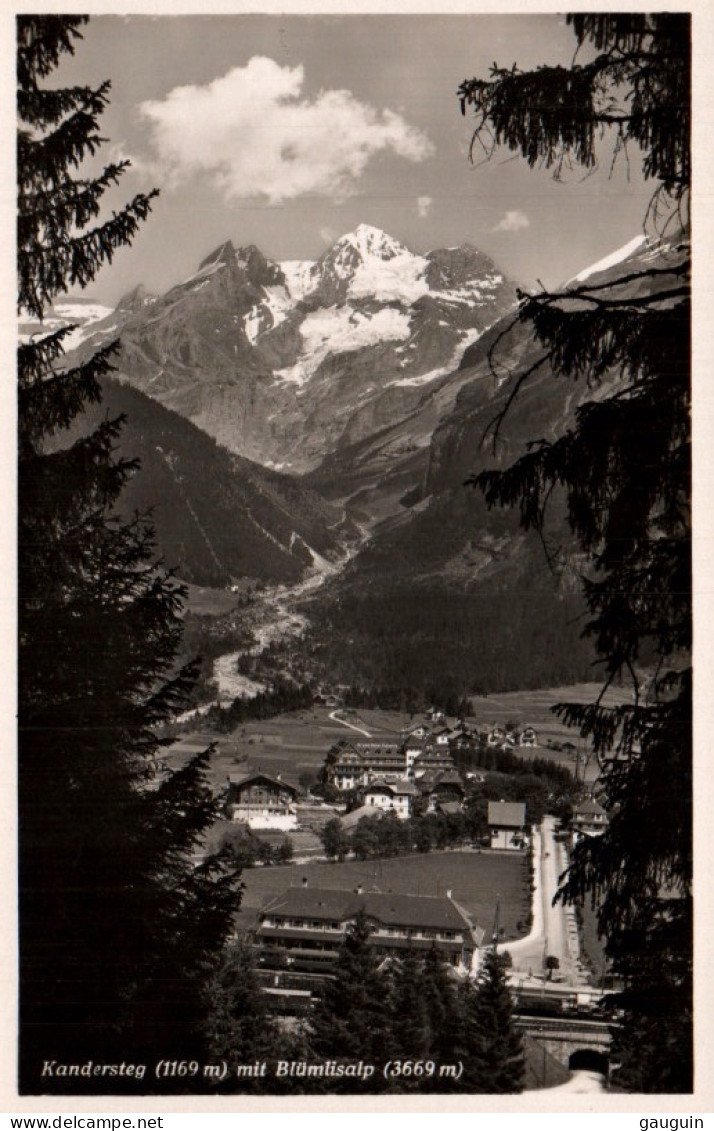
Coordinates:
[119,932]
[410,1032]
[240,1029]
[351,1019]
[492,1048]
[442,1006]
[623,471]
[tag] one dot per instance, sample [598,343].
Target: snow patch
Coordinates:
[470,336]
[251,324]
[204,272]
[87,316]
[397,279]
[82,333]
[82,312]
[610,260]
[341,329]
[300,277]
[264,316]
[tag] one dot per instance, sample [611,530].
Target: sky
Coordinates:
[289,131]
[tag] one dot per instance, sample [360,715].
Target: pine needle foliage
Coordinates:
[351,1019]
[623,469]
[119,932]
[492,1049]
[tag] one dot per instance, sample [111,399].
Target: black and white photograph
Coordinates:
[354,557]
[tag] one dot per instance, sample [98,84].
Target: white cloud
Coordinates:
[424,204]
[513,221]
[253,133]
[328,235]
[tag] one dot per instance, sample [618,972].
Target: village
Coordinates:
[409,827]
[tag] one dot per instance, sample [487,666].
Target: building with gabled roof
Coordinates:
[390,796]
[301,931]
[507,824]
[262,801]
[434,759]
[347,770]
[589,819]
[528,737]
[440,787]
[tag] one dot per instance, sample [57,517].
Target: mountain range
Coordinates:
[288,363]
[284,411]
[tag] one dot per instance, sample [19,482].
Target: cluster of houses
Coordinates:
[265,802]
[390,776]
[297,935]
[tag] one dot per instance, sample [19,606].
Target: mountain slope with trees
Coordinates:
[217,517]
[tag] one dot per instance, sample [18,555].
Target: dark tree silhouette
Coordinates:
[492,1049]
[623,471]
[410,1031]
[351,1018]
[240,1029]
[119,932]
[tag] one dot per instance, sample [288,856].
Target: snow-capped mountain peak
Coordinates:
[370,241]
[368,263]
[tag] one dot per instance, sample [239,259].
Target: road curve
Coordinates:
[343,722]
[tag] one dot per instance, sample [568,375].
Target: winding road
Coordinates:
[335,716]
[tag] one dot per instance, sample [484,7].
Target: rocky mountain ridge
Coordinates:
[286,363]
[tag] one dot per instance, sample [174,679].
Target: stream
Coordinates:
[275,620]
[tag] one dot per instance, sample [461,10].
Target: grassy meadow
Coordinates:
[477,880]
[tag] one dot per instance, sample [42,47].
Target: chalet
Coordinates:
[391,797]
[528,737]
[589,819]
[460,736]
[356,764]
[414,747]
[496,736]
[442,735]
[440,787]
[381,759]
[263,802]
[507,824]
[420,731]
[302,929]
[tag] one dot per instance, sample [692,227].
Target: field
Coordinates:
[290,744]
[477,880]
[296,744]
[533,708]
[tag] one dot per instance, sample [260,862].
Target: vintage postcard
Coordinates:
[354,602]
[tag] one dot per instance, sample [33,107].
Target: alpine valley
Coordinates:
[309,418]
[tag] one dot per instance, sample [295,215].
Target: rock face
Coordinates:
[288,363]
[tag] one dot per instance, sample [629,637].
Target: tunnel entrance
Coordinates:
[588,1060]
